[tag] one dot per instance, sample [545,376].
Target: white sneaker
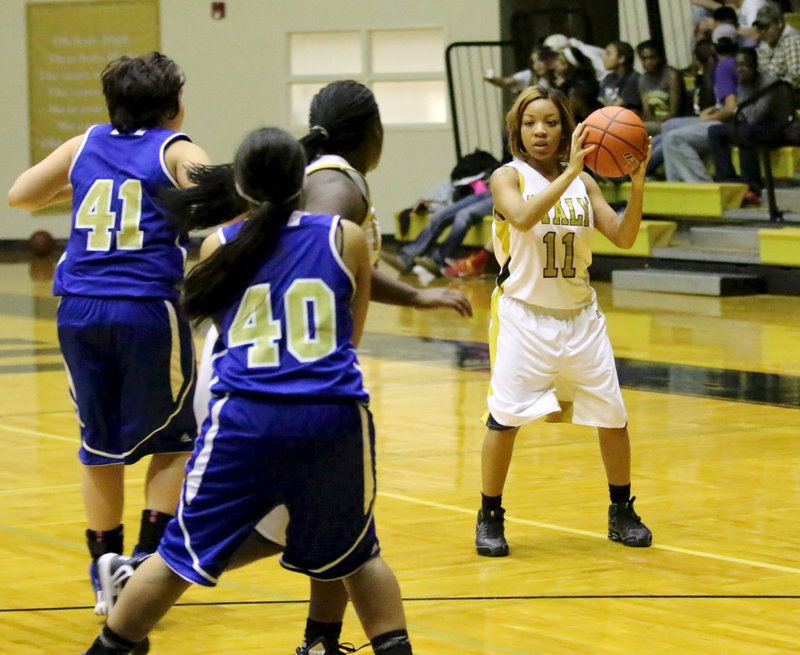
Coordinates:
[114,571]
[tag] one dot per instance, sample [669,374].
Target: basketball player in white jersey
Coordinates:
[550,351]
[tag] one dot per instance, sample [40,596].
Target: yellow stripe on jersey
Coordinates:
[369,467]
[501,236]
[176,379]
[494,333]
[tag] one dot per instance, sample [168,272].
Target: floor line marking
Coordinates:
[36,433]
[595,535]
[438,599]
[538,524]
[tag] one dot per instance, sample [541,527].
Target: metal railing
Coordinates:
[477,108]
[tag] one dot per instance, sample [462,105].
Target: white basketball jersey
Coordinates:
[371,227]
[547,265]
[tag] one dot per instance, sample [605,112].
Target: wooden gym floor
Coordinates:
[713,392]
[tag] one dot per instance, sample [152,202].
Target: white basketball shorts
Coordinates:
[546,359]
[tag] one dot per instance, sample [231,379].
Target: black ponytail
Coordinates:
[211,201]
[268,174]
[339,119]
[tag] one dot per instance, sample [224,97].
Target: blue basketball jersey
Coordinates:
[290,333]
[121,245]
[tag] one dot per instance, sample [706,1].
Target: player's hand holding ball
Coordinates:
[579,149]
[637,176]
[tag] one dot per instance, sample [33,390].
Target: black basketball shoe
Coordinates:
[625,526]
[490,540]
[320,646]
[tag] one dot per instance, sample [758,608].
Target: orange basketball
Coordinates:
[621,141]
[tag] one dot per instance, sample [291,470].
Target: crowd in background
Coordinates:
[745,56]
[742,90]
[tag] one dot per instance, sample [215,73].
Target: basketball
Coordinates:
[41,243]
[621,141]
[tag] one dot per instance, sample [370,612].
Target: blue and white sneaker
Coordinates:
[113,572]
[99,604]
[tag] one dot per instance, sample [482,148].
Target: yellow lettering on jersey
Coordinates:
[559,217]
[254,327]
[546,218]
[310,298]
[584,203]
[94,214]
[574,218]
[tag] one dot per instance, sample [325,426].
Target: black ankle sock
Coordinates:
[619,494]
[110,643]
[151,530]
[317,629]
[488,503]
[101,542]
[392,643]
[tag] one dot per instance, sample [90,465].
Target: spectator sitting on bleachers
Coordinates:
[576,78]
[685,140]
[432,256]
[620,86]
[540,72]
[470,174]
[765,122]
[436,198]
[661,87]
[702,27]
[663,95]
[704,61]
[778,47]
[745,11]
[593,53]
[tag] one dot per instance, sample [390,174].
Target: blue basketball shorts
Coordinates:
[130,365]
[317,459]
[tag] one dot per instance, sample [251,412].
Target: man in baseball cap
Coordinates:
[778,46]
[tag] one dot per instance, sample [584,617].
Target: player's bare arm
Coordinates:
[47,182]
[523,214]
[508,201]
[355,254]
[180,156]
[209,245]
[389,291]
[621,231]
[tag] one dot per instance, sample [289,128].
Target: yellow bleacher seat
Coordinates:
[652,234]
[785,161]
[780,246]
[688,198]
